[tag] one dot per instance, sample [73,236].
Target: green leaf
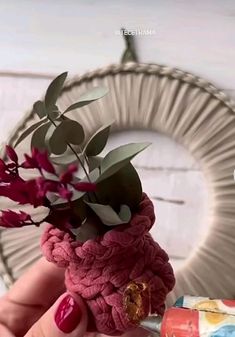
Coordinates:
[73,131]
[124,187]
[119,157]
[68,157]
[54,139]
[98,141]
[54,90]
[50,176]
[38,138]
[93,176]
[53,113]
[52,197]
[28,131]
[64,159]
[40,109]
[76,195]
[88,97]
[87,231]
[58,201]
[94,162]
[108,216]
[65,132]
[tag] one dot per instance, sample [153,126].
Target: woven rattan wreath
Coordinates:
[192,112]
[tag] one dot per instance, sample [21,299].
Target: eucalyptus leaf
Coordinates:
[40,109]
[53,113]
[87,98]
[94,162]
[87,231]
[75,231]
[64,159]
[50,176]
[38,137]
[29,130]
[52,197]
[98,141]
[55,138]
[76,195]
[59,202]
[125,213]
[93,176]
[119,157]
[108,216]
[68,157]
[123,187]
[54,90]
[73,131]
[63,133]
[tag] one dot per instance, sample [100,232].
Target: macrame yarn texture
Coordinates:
[99,270]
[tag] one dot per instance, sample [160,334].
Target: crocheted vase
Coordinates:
[99,270]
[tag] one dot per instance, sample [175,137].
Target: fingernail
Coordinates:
[68,314]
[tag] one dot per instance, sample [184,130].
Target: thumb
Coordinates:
[67,317]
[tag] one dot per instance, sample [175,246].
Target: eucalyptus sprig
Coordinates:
[119,188]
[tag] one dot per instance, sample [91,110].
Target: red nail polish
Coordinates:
[68,314]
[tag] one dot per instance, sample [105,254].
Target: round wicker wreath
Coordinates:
[191,111]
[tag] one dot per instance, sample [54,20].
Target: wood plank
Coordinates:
[17,95]
[73,35]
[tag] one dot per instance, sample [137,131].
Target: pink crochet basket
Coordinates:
[99,270]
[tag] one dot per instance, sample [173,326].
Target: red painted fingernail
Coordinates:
[68,314]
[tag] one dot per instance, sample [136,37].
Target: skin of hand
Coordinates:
[38,305]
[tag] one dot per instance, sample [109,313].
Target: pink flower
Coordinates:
[36,191]
[39,160]
[12,219]
[44,162]
[30,162]
[67,176]
[23,192]
[45,186]
[2,165]
[85,187]
[9,170]
[11,154]
[65,193]
[8,175]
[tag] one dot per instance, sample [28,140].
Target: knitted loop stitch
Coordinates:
[99,270]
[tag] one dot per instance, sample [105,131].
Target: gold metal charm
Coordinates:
[136,301]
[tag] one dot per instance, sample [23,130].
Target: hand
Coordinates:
[38,306]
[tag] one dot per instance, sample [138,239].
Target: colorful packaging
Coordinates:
[199,317]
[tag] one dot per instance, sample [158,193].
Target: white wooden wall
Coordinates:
[48,37]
